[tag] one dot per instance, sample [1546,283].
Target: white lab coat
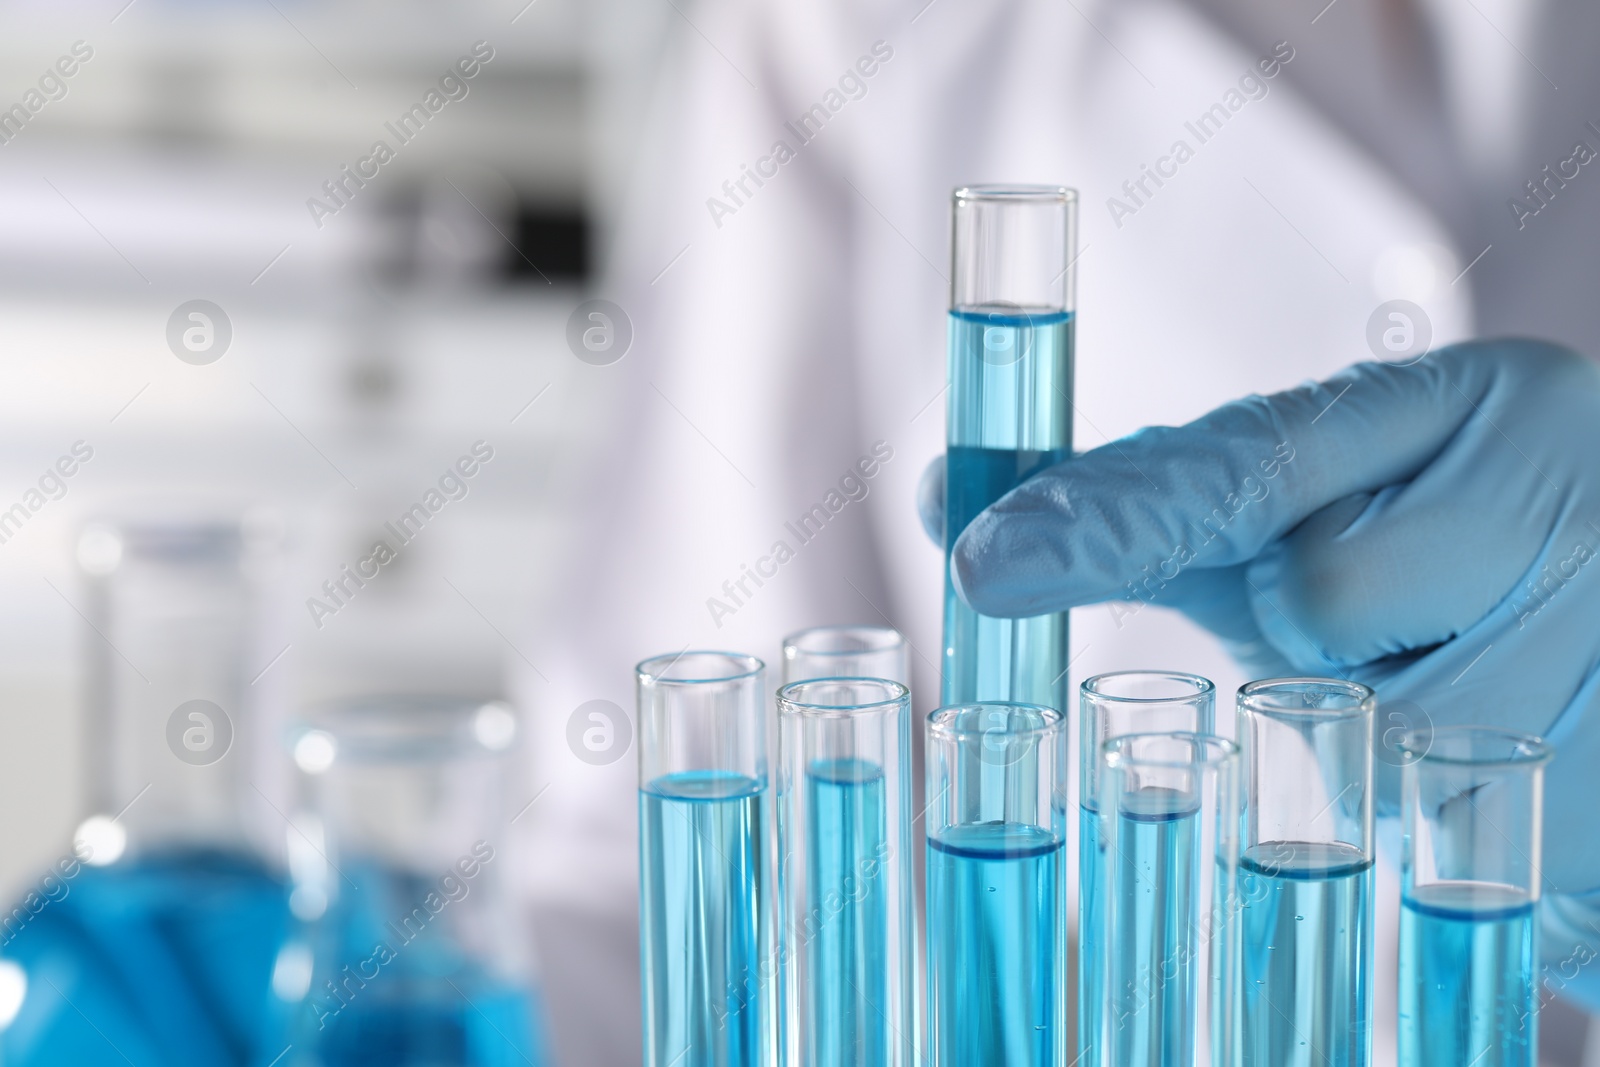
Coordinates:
[783,329]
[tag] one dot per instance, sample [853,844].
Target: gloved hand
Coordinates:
[1430,530]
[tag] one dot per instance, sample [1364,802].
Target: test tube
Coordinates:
[1109,706]
[706,961]
[1009,414]
[845,652]
[1472,805]
[996,924]
[844,835]
[1305,873]
[1170,808]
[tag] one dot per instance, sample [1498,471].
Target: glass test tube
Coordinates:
[404,876]
[846,652]
[1111,705]
[704,910]
[844,835]
[1472,805]
[1170,807]
[1305,873]
[1009,415]
[859,651]
[996,923]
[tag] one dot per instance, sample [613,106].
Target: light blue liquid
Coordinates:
[1307,955]
[1091,939]
[1468,954]
[393,988]
[846,935]
[994,946]
[1153,969]
[1010,416]
[701,902]
[166,959]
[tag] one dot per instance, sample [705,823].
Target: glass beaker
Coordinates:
[402,873]
[182,850]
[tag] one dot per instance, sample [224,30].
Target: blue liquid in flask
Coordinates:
[421,1021]
[848,948]
[1010,416]
[420,999]
[164,960]
[1307,955]
[1152,999]
[1468,954]
[993,925]
[701,889]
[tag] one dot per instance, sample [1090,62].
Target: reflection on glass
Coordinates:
[401,874]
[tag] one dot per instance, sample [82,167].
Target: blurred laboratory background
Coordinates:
[182,497]
[304,448]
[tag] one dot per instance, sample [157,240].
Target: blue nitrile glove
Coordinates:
[1430,530]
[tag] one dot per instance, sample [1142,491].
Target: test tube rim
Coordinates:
[752,666]
[792,641]
[1250,698]
[1014,192]
[1227,751]
[1204,687]
[1054,720]
[787,706]
[1529,750]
